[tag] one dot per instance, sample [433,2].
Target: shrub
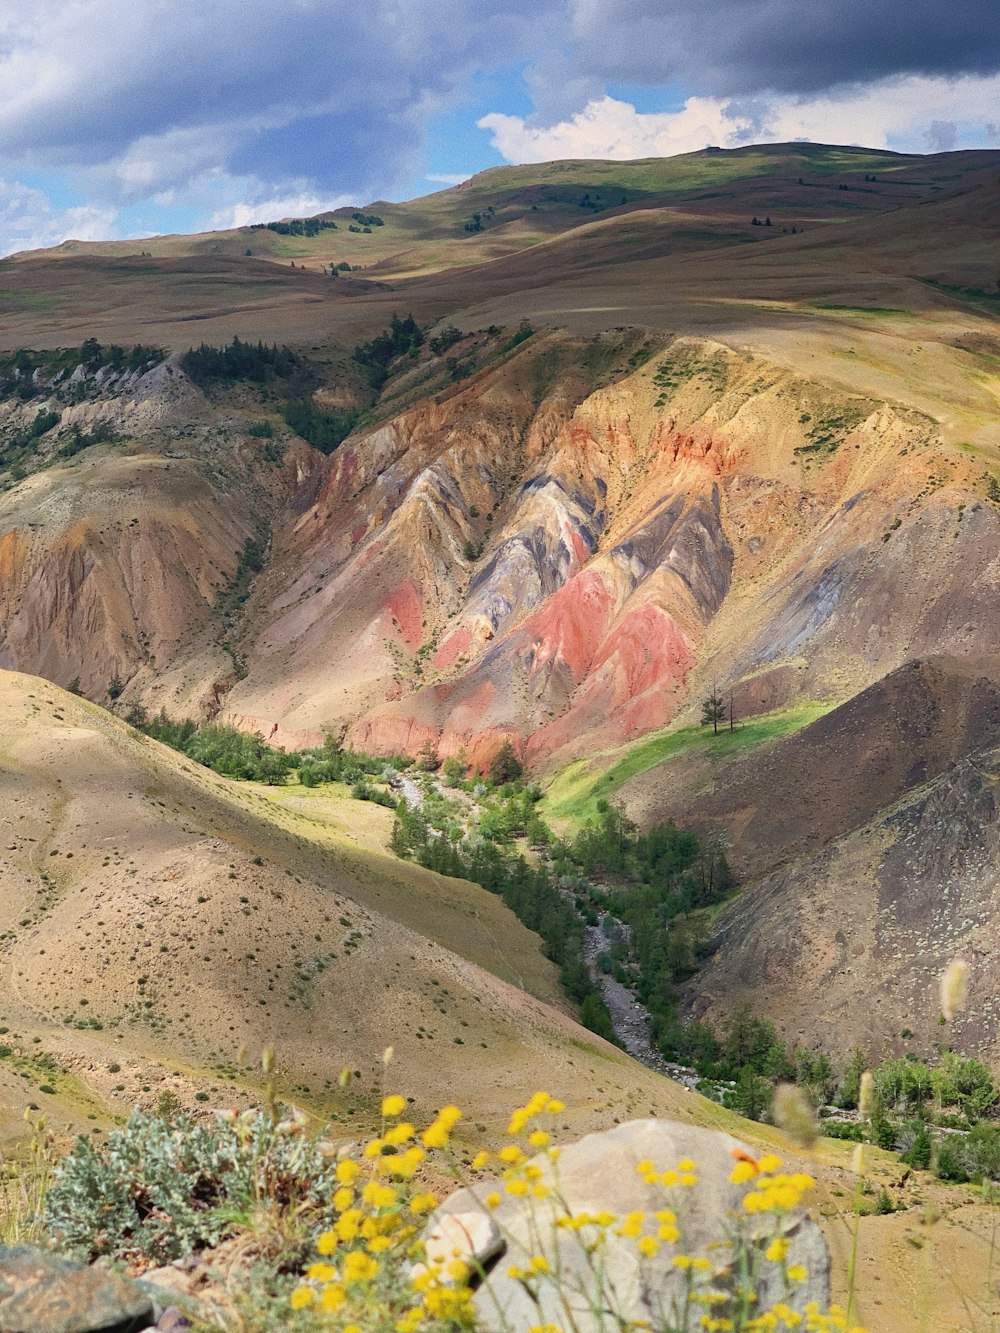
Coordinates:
[974,1156]
[918,1145]
[163,1187]
[505,765]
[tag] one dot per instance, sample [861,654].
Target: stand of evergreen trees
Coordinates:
[321,428]
[375,357]
[256,362]
[528,890]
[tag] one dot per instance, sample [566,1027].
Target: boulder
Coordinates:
[598,1174]
[45,1293]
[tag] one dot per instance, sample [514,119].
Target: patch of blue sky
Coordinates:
[454,146]
[148,218]
[652,100]
[56,186]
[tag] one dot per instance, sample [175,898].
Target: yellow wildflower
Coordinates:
[400,1133]
[333,1297]
[360,1267]
[347,1172]
[348,1224]
[321,1272]
[377,1195]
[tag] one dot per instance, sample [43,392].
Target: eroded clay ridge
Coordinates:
[564,550]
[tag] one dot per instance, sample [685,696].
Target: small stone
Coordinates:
[44,1293]
[172,1320]
[168,1278]
[474,1237]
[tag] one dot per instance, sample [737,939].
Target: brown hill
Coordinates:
[769,463]
[568,243]
[844,945]
[564,548]
[787,799]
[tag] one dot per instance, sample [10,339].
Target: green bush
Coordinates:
[165,1187]
[921,1145]
[323,430]
[974,1156]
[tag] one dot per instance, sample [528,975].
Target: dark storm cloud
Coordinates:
[150,98]
[733,47]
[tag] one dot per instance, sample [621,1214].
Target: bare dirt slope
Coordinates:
[566,547]
[844,946]
[781,800]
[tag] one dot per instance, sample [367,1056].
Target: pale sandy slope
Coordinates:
[191,917]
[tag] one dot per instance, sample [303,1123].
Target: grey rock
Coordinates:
[599,1174]
[45,1293]
[472,1237]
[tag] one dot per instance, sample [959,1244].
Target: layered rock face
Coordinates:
[566,550]
[564,565]
[114,562]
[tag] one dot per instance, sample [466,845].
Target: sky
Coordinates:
[185,115]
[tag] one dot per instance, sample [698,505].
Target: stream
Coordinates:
[629,1016]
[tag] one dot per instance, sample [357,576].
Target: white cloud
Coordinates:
[324,90]
[449,178]
[892,112]
[28,220]
[915,113]
[272,209]
[607,128]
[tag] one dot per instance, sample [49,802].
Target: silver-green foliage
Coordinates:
[162,1188]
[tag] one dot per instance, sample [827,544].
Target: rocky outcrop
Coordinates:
[618,1173]
[566,551]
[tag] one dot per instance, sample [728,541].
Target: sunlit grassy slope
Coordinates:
[157,919]
[574,793]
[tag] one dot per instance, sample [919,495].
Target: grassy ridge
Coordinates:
[574,793]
